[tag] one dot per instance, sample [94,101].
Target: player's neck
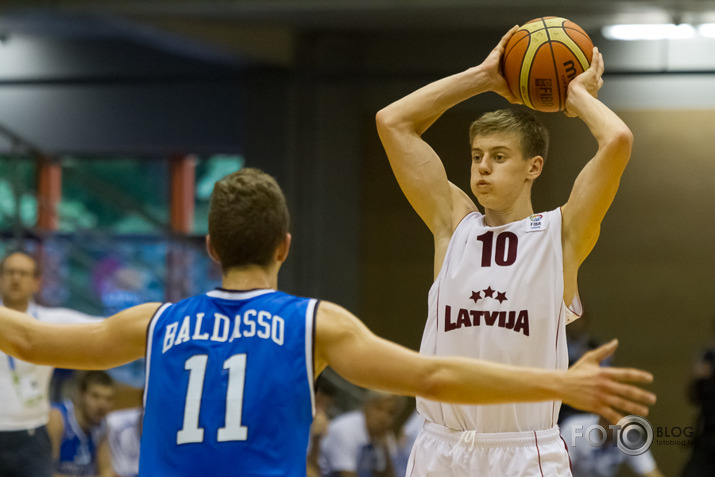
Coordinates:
[18,305]
[82,420]
[250,277]
[513,207]
[495,218]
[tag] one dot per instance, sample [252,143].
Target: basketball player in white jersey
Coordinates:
[505,280]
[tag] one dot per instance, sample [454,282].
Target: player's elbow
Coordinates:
[620,143]
[624,138]
[21,346]
[390,121]
[385,120]
[434,383]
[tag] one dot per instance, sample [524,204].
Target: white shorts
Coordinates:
[444,452]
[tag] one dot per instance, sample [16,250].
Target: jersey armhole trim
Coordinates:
[147,353]
[310,349]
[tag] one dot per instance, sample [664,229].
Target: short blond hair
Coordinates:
[533,136]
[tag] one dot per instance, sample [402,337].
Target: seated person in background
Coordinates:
[578,342]
[362,443]
[591,460]
[76,426]
[119,451]
[701,392]
[325,393]
[410,429]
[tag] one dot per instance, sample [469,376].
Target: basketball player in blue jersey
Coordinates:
[77,426]
[505,280]
[230,373]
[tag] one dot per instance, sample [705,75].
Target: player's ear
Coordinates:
[283,249]
[211,250]
[536,165]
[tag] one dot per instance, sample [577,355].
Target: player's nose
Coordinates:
[485,166]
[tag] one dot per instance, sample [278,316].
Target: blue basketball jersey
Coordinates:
[78,451]
[229,386]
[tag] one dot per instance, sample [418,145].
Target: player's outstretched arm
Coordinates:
[117,340]
[597,184]
[417,167]
[346,344]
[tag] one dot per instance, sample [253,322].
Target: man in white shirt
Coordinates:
[362,443]
[124,428]
[25,449]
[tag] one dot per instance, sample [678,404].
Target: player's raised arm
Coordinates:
[418,169]
[105,344]
[596,185]
[348,346]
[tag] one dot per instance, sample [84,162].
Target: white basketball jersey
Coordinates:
[499,297]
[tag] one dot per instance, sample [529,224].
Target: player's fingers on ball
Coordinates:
[596,59]
[508,35]
[512,99]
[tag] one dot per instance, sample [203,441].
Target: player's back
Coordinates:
[229,386]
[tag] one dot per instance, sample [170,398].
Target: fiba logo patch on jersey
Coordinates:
[535,223]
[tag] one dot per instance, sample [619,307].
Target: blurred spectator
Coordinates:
[120,285]
[578,342]
[76,427]
[362,443]
[25,449]
[120,449]
[410,429]
[324,396]
[591,460]
[702,394]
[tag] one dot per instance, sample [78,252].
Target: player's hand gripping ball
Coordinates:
[542,57]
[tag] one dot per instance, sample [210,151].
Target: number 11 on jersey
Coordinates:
[232,430]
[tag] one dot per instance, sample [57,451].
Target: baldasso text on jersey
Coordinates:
[254,323]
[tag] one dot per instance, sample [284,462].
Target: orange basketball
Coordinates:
[542,57]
